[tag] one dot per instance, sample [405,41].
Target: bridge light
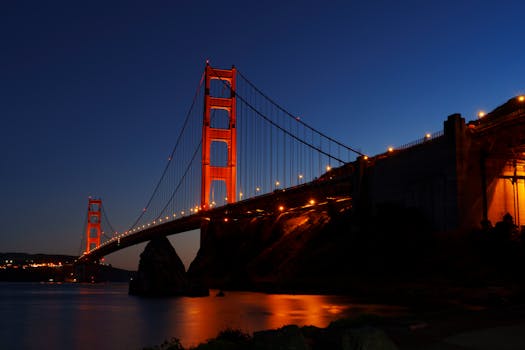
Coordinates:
[277,183]
[365,157]
[182,212]
[328,168]
[521,98]
[312,202]
[390,149]
[174,215]
[281,208]
[428,135]
[240,194]
[481,114]
[225,219]
[160,220]
[257,189]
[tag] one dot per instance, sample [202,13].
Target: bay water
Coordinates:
[104,316]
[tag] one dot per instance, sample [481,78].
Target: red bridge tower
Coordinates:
[93,231]
[228,135]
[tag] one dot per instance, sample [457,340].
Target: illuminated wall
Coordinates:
[507,195]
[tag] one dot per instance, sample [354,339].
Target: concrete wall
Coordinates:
[438,178]
[455,181]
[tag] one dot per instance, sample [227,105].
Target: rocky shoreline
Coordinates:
[452,329]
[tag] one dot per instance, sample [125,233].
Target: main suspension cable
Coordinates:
[297,118]
[172,153]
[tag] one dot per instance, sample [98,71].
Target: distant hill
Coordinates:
[37,258]
[24,267]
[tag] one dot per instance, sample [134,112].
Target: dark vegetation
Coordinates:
[357,333]
[23,267]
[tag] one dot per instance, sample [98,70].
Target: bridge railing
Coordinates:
[426,138]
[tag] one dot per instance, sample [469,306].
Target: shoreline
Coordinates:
[446,329]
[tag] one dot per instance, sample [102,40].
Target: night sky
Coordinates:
[93,93]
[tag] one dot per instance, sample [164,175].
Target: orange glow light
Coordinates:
[481,114]
[281,208]
[521,98]
[390,149]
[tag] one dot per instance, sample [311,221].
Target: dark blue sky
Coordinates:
[92,94]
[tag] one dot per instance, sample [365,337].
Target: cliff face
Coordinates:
[317,249]
[162,273]
[302,250]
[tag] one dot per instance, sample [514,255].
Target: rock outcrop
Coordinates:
[302,250]
[162,273]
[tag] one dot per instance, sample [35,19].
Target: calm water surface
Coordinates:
[104,316]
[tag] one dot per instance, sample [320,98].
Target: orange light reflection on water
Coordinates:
[195,320]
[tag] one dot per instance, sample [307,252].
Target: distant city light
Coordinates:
[281,208]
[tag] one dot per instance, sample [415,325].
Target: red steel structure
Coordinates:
[93,230]
[227,173]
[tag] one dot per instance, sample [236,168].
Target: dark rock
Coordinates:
[366,339]
[287,337]
[162,273]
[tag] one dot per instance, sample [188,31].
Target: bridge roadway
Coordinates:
[333,186]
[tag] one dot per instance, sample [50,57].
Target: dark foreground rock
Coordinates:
[346,334]
[162,273]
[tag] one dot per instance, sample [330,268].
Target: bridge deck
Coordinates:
[328,187]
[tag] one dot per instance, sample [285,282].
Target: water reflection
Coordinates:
[104,316]
[196,320]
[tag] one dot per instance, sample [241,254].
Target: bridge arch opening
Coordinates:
[218,194]
[220,88]
[219,154]
[186,245]
[220,119]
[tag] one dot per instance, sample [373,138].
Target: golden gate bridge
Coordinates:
[238,152]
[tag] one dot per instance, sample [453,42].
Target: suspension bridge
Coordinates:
[238,154]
